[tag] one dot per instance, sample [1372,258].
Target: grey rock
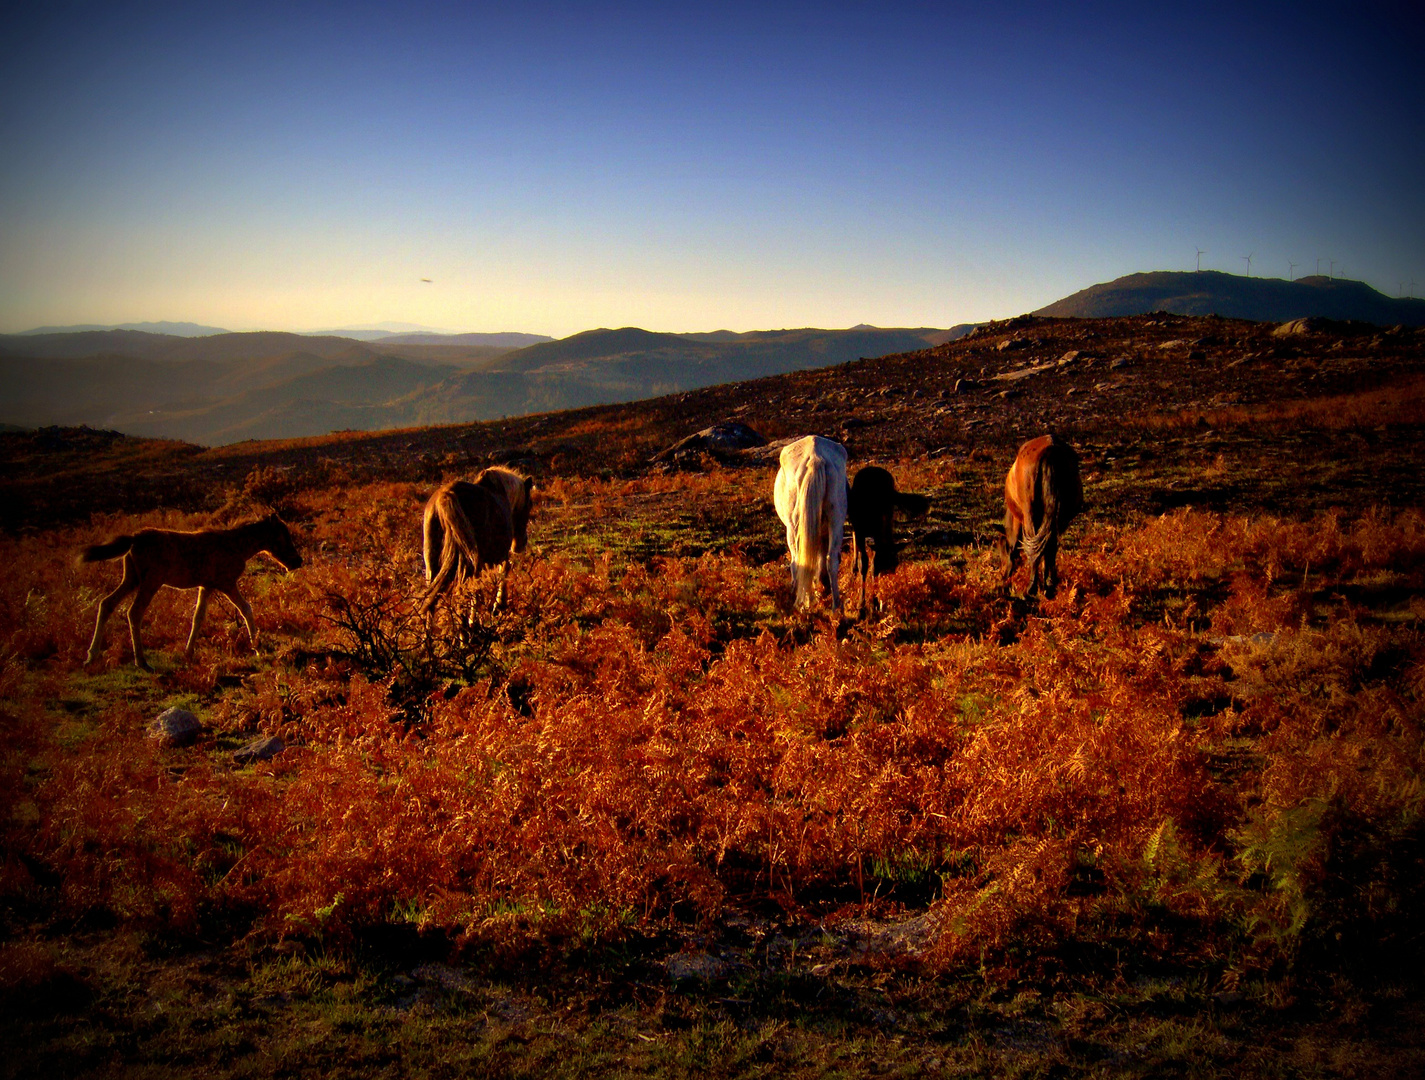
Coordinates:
[264,748]
[726,437]
[177,727]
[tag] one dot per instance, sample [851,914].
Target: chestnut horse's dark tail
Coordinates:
[103,552]
[1059,492]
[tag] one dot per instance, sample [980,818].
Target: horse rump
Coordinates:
[1043,494]
[467,527]
[810,497]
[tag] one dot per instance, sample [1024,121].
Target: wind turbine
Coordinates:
[1318,267]
[1248,259]
[1200,253]
[1333,268]
[1412,288]
[1291,271]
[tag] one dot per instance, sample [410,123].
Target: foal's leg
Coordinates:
[198,613]
[108,604]
[500,589]
[136,610]
[231,592]
[859,566]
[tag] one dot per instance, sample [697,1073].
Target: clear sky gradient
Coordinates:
[557,167]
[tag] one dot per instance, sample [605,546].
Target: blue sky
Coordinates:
[566,166]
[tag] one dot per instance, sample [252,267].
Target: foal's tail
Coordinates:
[103,552]
[459,544]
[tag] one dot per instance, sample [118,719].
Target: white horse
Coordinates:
[810,496]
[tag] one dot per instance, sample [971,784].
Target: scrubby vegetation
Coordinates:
[1205,752]
[1189,787]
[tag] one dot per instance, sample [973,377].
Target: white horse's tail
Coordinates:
[810,500]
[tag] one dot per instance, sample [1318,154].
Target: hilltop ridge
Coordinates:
[1212,292]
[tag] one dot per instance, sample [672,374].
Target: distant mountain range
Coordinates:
[499,341]
[1211,292]
[410,334]
[224,387]
[175,329]
[398,333]
[229,387]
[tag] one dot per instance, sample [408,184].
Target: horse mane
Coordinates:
[512,485]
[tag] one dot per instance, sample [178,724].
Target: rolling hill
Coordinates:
[1211,292]
[177,329]
[230,387]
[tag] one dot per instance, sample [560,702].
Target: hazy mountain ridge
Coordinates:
[506,340]
[1212,292]
[229,387]
[175,329]
[217,348]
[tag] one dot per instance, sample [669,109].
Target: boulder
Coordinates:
[264,748]
[177,727]
[722,439]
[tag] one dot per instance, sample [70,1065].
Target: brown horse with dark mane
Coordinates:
[1042,494]
[471,526]
[207,560]
[871,504]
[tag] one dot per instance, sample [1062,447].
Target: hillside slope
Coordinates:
[1211,292]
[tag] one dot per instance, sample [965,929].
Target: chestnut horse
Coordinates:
[810,497]
[1042,494]
[471,526]
[872,504]
[207,560]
